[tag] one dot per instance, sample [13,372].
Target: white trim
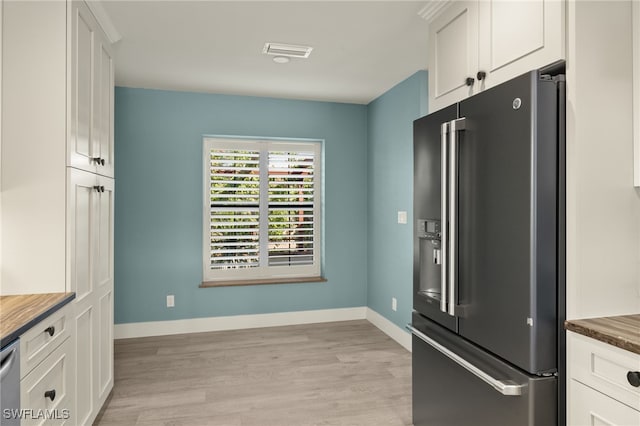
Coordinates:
[237,322]
[389,328]
[636,91]
[104,20]
[263,147]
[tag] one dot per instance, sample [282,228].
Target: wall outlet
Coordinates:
[171,301]
[402,217]
[394,304]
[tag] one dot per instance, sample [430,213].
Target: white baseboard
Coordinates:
[236,322]
[389,328]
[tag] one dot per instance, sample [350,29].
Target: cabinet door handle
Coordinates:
[51,394]
[102,162]
[51,330]
[481,75]
[101,188]
[633,377]
[469,81]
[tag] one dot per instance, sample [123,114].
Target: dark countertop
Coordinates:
[621,331]
[21,312]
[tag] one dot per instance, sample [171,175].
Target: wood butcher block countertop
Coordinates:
[622,331]
[21,312]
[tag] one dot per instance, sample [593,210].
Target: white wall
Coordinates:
[603,207]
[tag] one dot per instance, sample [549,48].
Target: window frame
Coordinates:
[263,273]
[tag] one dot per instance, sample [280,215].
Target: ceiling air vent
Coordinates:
[290,50]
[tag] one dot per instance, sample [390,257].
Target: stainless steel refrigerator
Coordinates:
[489,258]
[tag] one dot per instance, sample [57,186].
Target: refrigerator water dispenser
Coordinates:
[429,236]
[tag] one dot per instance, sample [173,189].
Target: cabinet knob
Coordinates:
[633,377]
[481,75]
[101,188]
[102,162]
[51,330]
[469,81]
[51,394]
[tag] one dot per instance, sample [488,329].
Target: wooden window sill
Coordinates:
[260,281]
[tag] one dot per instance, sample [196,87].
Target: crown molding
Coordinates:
[104,20]
[433,9]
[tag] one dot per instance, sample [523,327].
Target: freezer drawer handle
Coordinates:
[505,387]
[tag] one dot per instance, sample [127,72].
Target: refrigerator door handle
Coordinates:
[444,176]
[454,127]
[505,387]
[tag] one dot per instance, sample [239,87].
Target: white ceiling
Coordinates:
[360,48]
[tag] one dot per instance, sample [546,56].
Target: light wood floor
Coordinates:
[342,373]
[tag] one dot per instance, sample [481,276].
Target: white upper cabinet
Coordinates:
[479,44]
[90,145]
[453,53]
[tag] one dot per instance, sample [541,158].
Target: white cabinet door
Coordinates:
[80,139]
[590,407]
[103,284]
[519,36]
[453,54]
[90,139]
[91,276]
[48,388]
[103,105]
[81,196]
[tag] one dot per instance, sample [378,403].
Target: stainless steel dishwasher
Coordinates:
[10,384]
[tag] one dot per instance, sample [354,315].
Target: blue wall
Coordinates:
[158,220]
[390,179]
[158,217]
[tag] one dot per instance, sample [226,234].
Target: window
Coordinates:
[261,209]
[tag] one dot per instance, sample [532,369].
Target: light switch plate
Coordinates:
[402,217]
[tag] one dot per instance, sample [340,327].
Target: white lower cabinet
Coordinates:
[599,392]
[47,385]
[588,407]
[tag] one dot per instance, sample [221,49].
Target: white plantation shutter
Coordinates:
[291,208]
[262,209]
[234,192]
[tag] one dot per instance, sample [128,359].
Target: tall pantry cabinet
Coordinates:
[57,176]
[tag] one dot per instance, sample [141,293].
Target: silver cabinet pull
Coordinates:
[505,387]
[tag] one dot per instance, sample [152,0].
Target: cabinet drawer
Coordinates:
[41,339]
[604,368]
[590,407]
[46,392]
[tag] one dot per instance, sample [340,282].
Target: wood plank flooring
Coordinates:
[341,373]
